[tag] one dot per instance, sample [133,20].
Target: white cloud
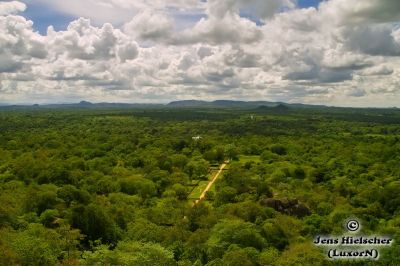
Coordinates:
[342,53]
[378,70]
[13,7]
[345,12]
[86,42]
[116,11]
[20,47]
[231,28]
[149,25]
[371,39]
[261,9]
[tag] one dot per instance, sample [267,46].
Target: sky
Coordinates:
[332,52]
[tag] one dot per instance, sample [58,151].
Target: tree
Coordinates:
[197,215]
[236,258]
[144,254]
[180,190]
[34,246]
[249,211]
[129,253]
[70,239]
[274,235]
[197,168]
[179,160]
[95,223]
[390,196]
[268,257]
[40,198]
[301,254]
[48,217]
[231,152]
[225,195]
[138,185]
[278,149]
[243,234]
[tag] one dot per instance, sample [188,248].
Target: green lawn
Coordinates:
[198,190]
[201,185]
[249,158]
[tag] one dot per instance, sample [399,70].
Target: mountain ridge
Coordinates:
[181,104]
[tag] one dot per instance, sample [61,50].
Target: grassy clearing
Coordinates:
[196,193]
[249,158]
[199,186]
[212,174]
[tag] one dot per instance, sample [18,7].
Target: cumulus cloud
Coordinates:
[149,25]
[321,75]
[373,40]
[261,9]
[8,64]
[231,28]
[379,70]
[19,44]
[13,7]
[341,53]
[117,11]
[377,11]
[224,23]
[83,41]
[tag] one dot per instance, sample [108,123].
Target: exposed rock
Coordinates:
[287,206]
[300,210]
[273,203]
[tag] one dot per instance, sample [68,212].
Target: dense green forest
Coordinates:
[116,187]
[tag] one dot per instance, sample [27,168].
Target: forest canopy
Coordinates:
[116,187]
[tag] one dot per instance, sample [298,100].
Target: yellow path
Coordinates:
[203,195]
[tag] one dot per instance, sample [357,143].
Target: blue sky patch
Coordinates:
[43,17]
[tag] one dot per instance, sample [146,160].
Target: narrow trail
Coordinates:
[203,195]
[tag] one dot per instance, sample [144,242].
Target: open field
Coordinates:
[249,158]
[198,190]
[201,185]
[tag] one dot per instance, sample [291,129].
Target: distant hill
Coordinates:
[280,108]
[175,104]
[89,105]
[188,103]
[256,105]
[84,105]
[219,104]
[239,104]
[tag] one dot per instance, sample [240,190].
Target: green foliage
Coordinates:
[73,179]
[197,168]
[225,195]
[244,234]
[94,222]
[248,211]
[236,257]
[268,257]
[268,156]
[129,253]
[301,254]
[137,185]
[391,196]
[48,217]
[278,149]
[274,234]
[35,245]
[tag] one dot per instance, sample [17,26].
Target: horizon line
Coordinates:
[194,100]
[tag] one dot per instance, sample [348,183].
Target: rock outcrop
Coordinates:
[287,206]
